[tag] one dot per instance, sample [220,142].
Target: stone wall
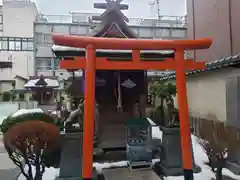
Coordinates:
[207,93]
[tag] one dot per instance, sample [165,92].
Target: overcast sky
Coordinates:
[137,8]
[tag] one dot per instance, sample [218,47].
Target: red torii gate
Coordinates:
[90,63]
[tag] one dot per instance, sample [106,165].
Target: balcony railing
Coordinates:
[41,68]
[86,19]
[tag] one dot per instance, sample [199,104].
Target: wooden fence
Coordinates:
[218,132]
[207,128]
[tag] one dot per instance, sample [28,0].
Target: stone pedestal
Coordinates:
[71,157]
[171,155]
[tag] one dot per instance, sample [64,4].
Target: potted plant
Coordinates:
[166,111]
[168,121]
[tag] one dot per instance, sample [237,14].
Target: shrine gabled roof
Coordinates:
[113,21]
[36,81]
[228,62]
[116,30]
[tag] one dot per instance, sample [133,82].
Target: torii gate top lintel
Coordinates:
[129,44]
[91,63]
[135,45]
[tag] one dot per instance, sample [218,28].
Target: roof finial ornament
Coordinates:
[111,6]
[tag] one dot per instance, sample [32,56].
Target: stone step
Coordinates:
[124,173]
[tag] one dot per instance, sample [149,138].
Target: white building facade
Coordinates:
[16,42]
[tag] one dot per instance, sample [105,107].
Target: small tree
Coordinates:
[28,142]
[6,96]
[165,92]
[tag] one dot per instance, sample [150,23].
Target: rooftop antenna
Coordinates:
[157,3]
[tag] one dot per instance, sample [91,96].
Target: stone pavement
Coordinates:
[8,170]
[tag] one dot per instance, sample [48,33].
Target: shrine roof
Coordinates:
[41,81]
[227,62]
[57,48]
[113,21]
[116,30]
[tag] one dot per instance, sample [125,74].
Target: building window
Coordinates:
[11,45]
[1,19]
[27,44]
[16,44]
[4,42]
[43,38]
[39,38]
[178,33]
[44,63]
[47,39]
[1,22]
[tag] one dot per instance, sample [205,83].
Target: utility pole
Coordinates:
[157,3]
[158,9]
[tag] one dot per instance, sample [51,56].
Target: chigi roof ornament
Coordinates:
[111,6]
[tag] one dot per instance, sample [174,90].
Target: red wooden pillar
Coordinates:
[187,155]
[89,109]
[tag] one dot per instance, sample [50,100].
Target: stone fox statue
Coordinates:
[75,118]
[75,115]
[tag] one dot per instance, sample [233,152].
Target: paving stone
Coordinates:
[8,170]
[126,174]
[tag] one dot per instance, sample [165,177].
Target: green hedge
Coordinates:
[34,116]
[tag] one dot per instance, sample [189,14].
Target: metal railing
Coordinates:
[86,19]
[41,68]
[19,1]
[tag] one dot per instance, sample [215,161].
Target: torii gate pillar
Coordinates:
[183,115]
[89,103]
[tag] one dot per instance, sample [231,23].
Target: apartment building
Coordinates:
[217,19]
[16,42]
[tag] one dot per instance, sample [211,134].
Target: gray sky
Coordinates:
[137,8]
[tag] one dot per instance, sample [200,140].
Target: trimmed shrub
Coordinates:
[35,116]
[28,142]
[6,96]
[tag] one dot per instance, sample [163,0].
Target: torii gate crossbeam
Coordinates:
[90,63]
